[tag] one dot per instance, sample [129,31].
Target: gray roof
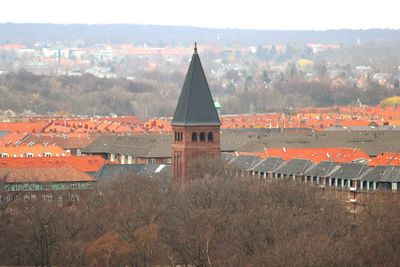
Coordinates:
[195,105]
[244,162]
[269,165]
[3,133]
[364,128]
[109,171]
[146,146]
[382,174]
[322,169]
[371,142]
[226,156]
[349,171]
[295,166]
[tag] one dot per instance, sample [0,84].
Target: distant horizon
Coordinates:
[199,27]
[251,14]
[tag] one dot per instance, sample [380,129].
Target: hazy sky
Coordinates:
[251,14]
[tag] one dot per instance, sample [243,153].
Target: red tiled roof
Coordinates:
[12,138]
[37,150]
[82,163]
[341,155]
[66,142]
[22,127]
[387,158]
[44,175]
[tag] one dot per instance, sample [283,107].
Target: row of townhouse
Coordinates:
[352,182]
[132,149]
[60,186]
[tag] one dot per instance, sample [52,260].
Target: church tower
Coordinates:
[195,125]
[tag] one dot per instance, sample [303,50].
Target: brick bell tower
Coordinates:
[195,125]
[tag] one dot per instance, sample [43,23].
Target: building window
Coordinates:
[210,137]
[194,137]
[74,185]
[180,136]
[4,155]
[202,137]
[78,152]
[74,198]
[47,198]
[47,187]
[47,154]
[60,201]
[29,155]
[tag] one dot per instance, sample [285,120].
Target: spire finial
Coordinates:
[195,47]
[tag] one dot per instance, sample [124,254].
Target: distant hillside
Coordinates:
[179,35]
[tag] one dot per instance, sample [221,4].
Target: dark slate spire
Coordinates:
[195,105]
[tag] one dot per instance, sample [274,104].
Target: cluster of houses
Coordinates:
[351,181]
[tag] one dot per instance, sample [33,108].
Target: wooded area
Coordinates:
[217,221]
[155,94]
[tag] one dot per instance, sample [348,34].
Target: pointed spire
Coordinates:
[195,105]
[195,47]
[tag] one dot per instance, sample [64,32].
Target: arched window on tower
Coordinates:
[202,137]
[210,137]
[194,137]
[181,136]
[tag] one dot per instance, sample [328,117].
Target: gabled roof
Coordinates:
[382,174]
[295,166]
[322,169]
[349,171]
[269,165]
[195,105]
[244,162]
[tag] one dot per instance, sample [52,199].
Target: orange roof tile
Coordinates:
[387,158]
[82,163]
[66,142]
[22,127]
[44,175]
[316,155]
[12,138]
[35,150]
